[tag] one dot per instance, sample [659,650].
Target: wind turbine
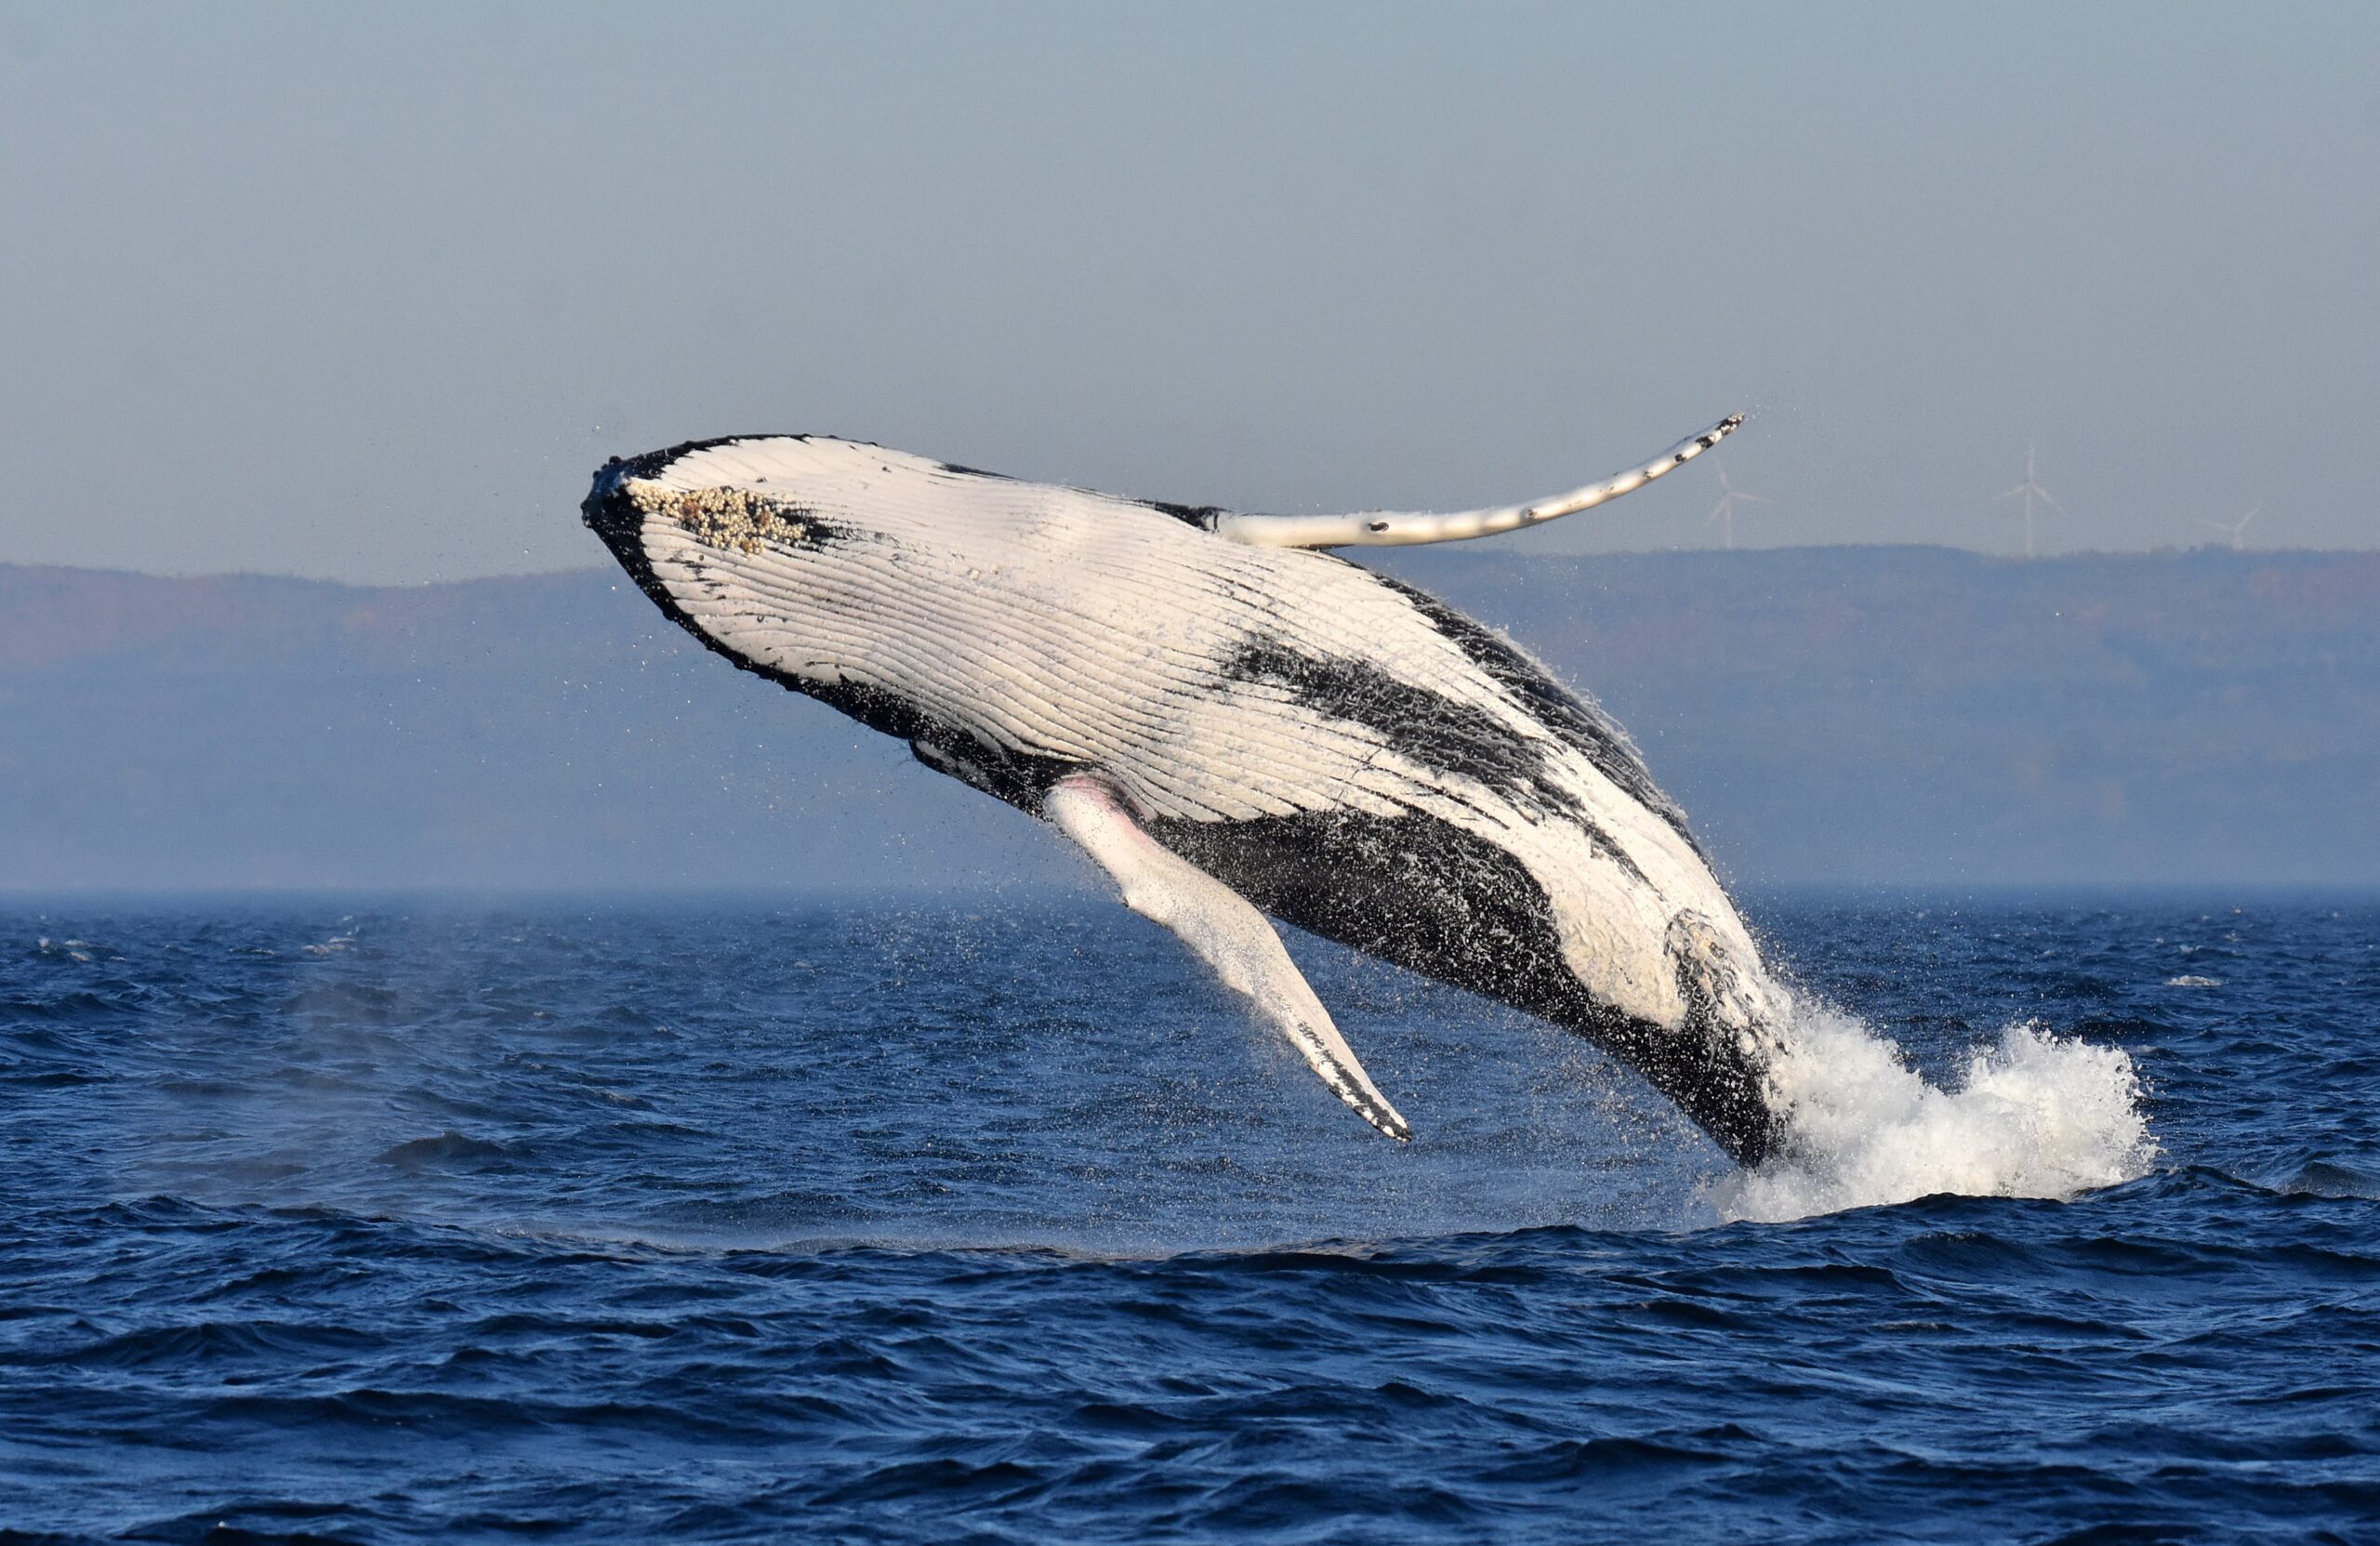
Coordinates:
[2232,529]
[1724,510]
[2032,489]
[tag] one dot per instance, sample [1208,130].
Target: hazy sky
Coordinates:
[368,292]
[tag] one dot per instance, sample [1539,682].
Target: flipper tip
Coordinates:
[1386,1119]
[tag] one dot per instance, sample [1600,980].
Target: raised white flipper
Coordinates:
[1224,929]
[1403,528]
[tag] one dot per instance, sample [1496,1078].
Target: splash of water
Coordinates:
[2034,1115]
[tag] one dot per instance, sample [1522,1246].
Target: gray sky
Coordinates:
[367,292]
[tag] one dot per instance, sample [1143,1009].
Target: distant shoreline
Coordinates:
[1852,716]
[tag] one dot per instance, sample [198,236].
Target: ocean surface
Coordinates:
[745,1221]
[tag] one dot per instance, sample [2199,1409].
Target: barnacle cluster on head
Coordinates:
[722,516]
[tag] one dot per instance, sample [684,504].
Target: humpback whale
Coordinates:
[1233,721]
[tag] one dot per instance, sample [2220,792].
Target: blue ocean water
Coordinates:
[434,1222]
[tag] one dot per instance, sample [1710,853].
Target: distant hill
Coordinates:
[1929,715]
[1847,714]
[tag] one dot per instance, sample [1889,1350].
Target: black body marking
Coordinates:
[1436,732]
[1566,714]
[1201,516]
[1434,899]
[651,462]
[973,471]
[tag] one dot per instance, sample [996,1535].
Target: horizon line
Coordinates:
[1730,554]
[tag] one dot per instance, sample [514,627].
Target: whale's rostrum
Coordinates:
[1231,722]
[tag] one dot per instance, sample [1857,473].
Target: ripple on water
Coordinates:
[440,1234]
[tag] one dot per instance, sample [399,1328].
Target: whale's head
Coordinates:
[716,500]
[806,560]
[911,594]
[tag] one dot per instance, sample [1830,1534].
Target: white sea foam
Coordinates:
[2034,1115]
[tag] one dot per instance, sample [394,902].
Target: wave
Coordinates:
[2035,1114]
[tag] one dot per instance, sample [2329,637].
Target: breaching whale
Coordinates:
[1230,721]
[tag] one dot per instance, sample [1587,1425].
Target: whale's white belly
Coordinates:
[1110,634]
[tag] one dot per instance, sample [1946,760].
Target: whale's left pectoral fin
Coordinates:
[1227,933]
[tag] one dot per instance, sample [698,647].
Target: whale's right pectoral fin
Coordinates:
[1227,933]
